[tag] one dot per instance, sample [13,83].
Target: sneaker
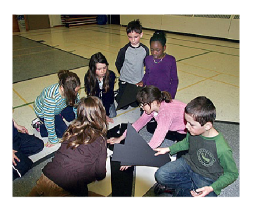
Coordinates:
[173,158]
[36,124]
[159,189]
[116,93]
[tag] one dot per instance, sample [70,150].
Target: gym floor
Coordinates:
[207,67]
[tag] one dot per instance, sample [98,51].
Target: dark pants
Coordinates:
[171,135]
[47,188]
[60,125]
[122,86]
[29,145]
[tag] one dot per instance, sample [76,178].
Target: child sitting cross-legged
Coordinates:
[208,167]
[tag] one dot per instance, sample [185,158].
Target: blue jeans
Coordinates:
[178,175]
[112,111]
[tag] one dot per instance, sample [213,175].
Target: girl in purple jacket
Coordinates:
[161,70]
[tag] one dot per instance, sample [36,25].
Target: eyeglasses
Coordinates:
[141,105]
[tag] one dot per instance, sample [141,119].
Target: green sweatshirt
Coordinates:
[221,168]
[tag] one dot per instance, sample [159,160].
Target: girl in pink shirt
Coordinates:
[168,113]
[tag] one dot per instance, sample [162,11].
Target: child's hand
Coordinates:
[14,157]
[140,84]
[48,144]
[202,192]
[22,129]
[161,151]
[124,167]
[114,140]
[109,120]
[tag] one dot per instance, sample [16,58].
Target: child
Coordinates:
[24,145]
[130,59]
[168,113]
[208,167]
[99,81]
[81,158]
[55,103]
[161,70]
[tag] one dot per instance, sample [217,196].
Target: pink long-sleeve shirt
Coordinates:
[169,118]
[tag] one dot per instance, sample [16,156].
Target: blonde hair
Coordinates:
[89,124]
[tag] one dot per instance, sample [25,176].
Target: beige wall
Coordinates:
[55,20]
[214,27]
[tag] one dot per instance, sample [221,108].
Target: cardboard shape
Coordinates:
[136,151]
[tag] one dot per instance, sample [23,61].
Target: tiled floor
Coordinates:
[206,67]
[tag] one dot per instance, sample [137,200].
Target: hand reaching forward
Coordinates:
[161,151]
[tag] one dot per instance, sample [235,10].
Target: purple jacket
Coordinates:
[162,74]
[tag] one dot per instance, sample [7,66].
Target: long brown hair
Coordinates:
[90,77]
[69,81]
[89,124]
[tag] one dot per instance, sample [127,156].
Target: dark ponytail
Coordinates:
[69,81]
[166,96]
[160,36]
[151,93]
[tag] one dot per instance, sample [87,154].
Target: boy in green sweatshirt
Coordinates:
[208,167]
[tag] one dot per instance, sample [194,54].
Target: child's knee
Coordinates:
[158,175]
[40,145]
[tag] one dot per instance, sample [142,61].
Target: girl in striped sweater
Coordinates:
[55,103]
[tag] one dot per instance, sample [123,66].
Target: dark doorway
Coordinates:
[37,21]
[114,19]
[15,25]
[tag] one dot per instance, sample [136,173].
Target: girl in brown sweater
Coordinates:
[81,159]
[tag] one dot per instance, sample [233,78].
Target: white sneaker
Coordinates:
[36,124]
[173,158]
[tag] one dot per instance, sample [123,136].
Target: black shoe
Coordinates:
[134,104]
[124,108]
[116,93]
[159,189]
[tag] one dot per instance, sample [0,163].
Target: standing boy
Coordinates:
[208,167]
[130,59]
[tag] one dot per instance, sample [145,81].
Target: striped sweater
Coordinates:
[48,104]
